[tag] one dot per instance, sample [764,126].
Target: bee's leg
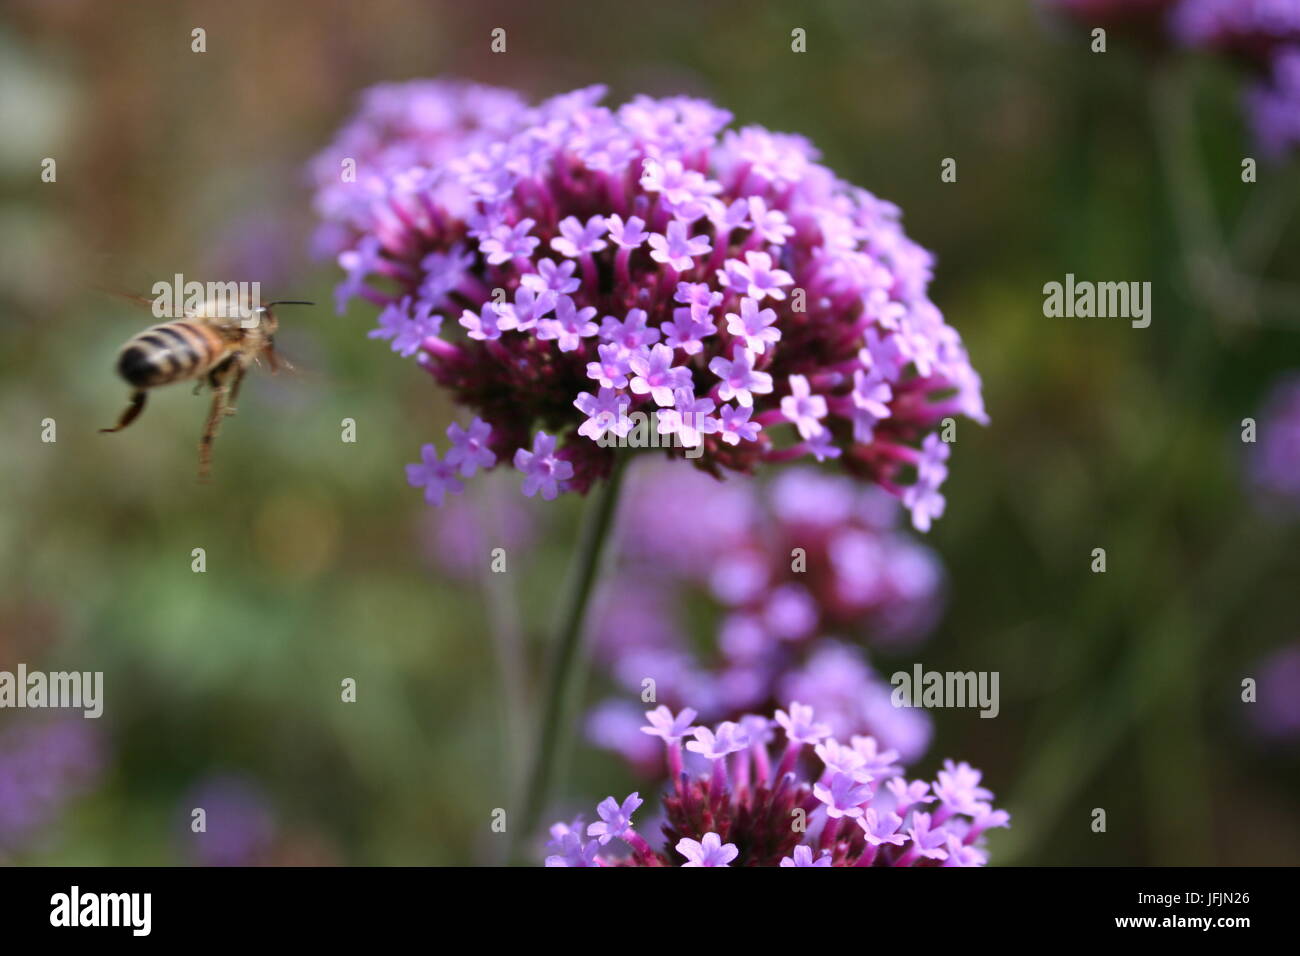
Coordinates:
[215,415]
[240,372]
[131,413]
[198,387]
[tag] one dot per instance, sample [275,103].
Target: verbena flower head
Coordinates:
[1273,106]
[1276,712]
[239,825]
[1251,29]
[784,792]
[727,595]
[1273,461]
[580,276]
[398,130]
[43,767]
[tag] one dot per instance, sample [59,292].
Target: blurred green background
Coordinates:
[1119,690]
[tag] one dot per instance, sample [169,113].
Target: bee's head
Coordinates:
[269,322]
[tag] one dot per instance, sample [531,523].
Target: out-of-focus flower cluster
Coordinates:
[1275,714]
[238,825]
[583,277]
[1261,35]
[44,766]
[1273,461]
[779,580]
[855,808]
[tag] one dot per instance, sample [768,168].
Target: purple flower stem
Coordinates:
[788,758]
[829,832]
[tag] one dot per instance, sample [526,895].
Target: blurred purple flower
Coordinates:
[1276,711]
[1273,461]
[239,825]
[43,767]
[690,541]
[1274,106]
[1252,29]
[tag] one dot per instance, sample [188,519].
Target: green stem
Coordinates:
[567,670]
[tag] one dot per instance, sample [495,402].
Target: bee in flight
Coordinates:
[213,346]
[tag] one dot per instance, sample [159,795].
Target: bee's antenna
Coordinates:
[289,302]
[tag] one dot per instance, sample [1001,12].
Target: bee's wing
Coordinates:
[148,302]
[143,301]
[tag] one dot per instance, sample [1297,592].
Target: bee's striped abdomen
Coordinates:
[171,352]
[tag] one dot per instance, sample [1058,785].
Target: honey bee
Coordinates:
[209,346]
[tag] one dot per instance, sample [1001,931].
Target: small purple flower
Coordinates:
[572,850]
[575,239]
[802,408]
[710,851]
[656,376]
[701,299]
[739,380]
[871,397]
[959,854]
[924,500]
[606,412]
[880,828]
[570,325]
[735,425]
[755,277]
[729,738]
[611,371]
[469,450]
[436,477]
[615,818]
[631,333]
[667,727]
[543,471]
[798,724]
[508,242]
[958,788]
[908,795]
[629,234]
[803,856]
[844,797]
[926,840]
[676,248]
[555,278]
[687,331]
[406,330]
[358,264]
[689,418]
[529,307]
[754,326]
[486,325]
[771,224]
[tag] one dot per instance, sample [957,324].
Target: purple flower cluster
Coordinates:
[771,576]
[1274,460]
[1276,712]
[1274,106]
[399,129]
[1253,29]
[753,807]
[568,270]
[239,826]
[43,767]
